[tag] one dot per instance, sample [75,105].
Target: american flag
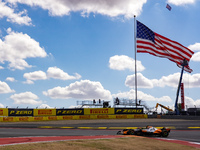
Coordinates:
[168,7]
[158,45]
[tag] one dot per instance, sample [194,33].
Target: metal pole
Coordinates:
[179,85]
[135,61]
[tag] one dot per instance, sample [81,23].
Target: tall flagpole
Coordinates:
[185,63]
[135,61]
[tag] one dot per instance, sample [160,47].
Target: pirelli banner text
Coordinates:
[112,111]
[63,112]
[98,111]
[128,111]
[20,112]
[23,112]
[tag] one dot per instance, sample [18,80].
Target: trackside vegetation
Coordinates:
[126,143]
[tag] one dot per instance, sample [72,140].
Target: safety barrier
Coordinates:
[75,117]
[17,112]
[15,115]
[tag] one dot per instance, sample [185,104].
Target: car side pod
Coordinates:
[126,132]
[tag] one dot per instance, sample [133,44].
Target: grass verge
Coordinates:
[126,143]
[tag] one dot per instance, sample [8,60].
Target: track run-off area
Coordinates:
[186,132]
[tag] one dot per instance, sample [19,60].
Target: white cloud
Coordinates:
[112,8]
[1,67]
[28,82]
[1,105]
[197,103]
[189,80]
[142,81]
[25,98]
[57,73]
[17,47]
[44,106]
[196,55]
[79,106]
[52,72]
[142,96]
[36,75]
[190,103]
[123,62]
[172,80]
[83,89]
[181,2]
[11,79]
[4,88]
[194,47]
[19,18]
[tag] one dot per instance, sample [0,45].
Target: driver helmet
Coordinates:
[148,127]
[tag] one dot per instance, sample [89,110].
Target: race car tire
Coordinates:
[119,132]
[165,133]
[130,132]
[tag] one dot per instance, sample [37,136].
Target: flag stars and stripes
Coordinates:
[168,7]
[158,45]
[144,32]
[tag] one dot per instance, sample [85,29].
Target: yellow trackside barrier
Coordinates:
[121,116]
[38,118]
[83,113]
[67,117]
[3,111]
[75,117]
[98,111]
[52,118]
[44,112]
[23,118]
[8,119]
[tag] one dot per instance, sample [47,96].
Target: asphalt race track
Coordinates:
[186,130]
[186,135]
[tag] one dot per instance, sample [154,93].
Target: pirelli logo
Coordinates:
[62,112]
[45,112]
[67,117]
[8,119]
[38,118]
[20,112]
[52,117]
[23,118]
[84,117]
[102,117]
[1,111]
[128,110]
[98,111]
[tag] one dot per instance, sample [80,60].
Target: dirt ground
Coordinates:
[127,143]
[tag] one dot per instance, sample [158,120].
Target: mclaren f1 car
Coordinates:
[148,130]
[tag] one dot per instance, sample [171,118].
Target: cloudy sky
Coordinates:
[54,53]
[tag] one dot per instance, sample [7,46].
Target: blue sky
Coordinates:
[54,52]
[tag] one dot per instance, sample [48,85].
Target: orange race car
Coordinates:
[148,130]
